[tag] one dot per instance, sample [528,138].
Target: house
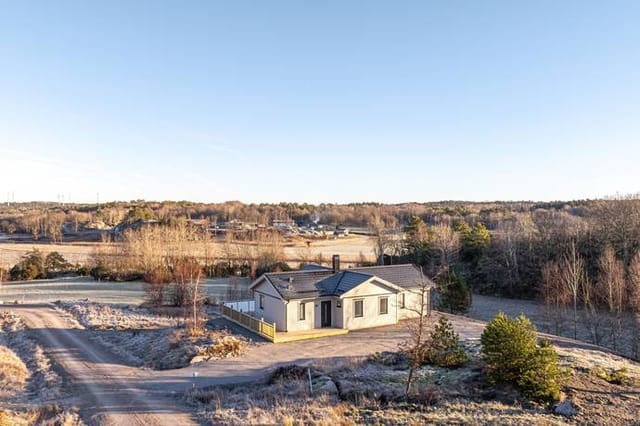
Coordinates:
[317,296]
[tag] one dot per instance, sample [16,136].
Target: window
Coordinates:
[358,308]
[401,300]
[384,305]
[303,313]
[261,301]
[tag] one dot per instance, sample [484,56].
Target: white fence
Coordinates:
[242,305]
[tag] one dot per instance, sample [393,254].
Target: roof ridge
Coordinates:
[342,274]
[385,266]
[317,271]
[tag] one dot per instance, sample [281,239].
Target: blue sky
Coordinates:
[319,101]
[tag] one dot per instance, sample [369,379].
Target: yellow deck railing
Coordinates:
[259,326]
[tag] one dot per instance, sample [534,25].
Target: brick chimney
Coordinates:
[336,263]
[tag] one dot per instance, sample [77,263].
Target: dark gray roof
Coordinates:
[315,282]
[405,276]
[314,267]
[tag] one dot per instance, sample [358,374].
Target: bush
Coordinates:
[55,264]
[444,347]
[455,296]
[100,272]
[506,345]
[31,267]
[509,347]
[542,380]
[226,347]
[617,377]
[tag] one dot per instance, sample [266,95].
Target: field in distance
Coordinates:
[352,248]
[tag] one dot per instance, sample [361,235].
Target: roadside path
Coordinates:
[104,390]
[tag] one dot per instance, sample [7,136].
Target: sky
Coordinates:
[319,101]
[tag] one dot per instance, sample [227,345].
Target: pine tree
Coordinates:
[444,347]
[455,296]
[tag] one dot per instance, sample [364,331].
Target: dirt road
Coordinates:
[104,390]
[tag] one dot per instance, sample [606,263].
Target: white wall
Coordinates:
[274,306]
[293,315]
[412,300]
[370,293]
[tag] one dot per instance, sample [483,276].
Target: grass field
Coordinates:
[296,249]
[126,293]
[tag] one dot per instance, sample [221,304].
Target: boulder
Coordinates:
[324,384]
[565,408]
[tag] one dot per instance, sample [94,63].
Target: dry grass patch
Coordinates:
[143,337]
[371,391]
[44,415]
[13,373]
[29,386]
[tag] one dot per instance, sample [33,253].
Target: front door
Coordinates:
[325,313]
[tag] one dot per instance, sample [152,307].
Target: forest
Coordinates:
[501,248]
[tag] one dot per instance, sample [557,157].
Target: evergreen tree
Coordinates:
[455,296]
[444,348]
[31,267]
[55,262]
[509,347]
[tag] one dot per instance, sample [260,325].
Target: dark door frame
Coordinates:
[325,313]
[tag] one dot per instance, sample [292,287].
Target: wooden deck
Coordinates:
[292,336]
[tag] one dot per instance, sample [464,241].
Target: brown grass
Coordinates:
[602,386]
[13,373]
[44,415]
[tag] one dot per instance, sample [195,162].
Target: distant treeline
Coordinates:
[53,220]
[500,248]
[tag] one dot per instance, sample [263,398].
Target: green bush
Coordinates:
[444,347]
[509,347]
[542,380]
[617,377]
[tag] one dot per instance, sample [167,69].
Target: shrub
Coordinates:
[55,263]
[542,380]
[100,272]
[226,347]
[509,347]
[444,347]
[30,267]
[617,377]
[506,345]
[455,296]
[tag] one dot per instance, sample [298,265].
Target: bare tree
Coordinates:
[446,243]
[611,288]
[187,275]
[573,275]
[593,319]
[633,289]
[554,294]
[416,347]
[618,221]
[383,239]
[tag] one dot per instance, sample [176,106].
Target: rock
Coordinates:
[324,384]
[565,408]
